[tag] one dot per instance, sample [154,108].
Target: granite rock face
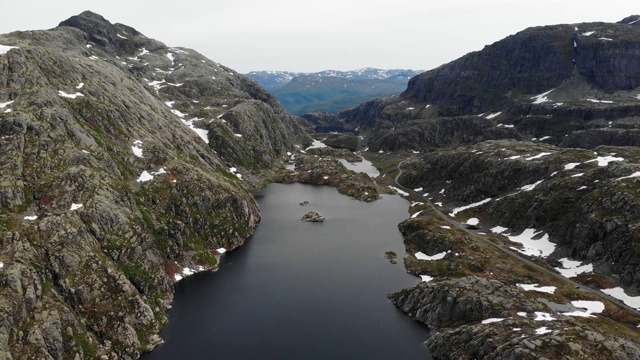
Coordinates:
[575,84]
[117,171]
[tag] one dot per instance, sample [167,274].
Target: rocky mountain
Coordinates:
[332,91]
[125,165]
[529,146]
[272,80]
[577,80]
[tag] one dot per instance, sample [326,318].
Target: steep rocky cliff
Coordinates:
[124,165]
[578,80]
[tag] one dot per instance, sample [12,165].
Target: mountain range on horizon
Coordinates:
[331,91]
[127,165]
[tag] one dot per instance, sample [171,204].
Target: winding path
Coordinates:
[508,252]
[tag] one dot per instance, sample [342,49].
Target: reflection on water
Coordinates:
[301,290]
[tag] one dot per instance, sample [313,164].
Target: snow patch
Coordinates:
[634,175]
[137,150]
[618,293]
[426,278]
[466,207]
[591,307]
[571,268]
[535,287]
[4,49]
[422,256]
[317,144]
[588,33]
[543,316]
[538,156]
[605,160]
[539,99]
[543,330]
[70,96]
[75,206]
[531,186]
[399,191]
[498,229]
[30,217]
[491,320]
[5,104]
[473,221]
[570,166]
[532,247]
[491,116]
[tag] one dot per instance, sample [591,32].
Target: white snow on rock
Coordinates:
[591,307]
[491,320]
[605,160]
[514,157]
[571,268]
[137,150]
[491,116]
[317,144]
[426,278]
[446,227]
[415,215]
[531,186]
[70,96]
[30,217]
[600,101]
[5,104]
[238,135]
[466,207]
[539,99]
[473,221]
[4,49]
[543,316]
[577,175]
[187,272]
[543,330]
[80,86]
[503,125]
[634,175]
[532,247]
[145,176]
[417,189]
[75,206]
[221,250]
[399,191]
[422,256]
[581,188]
[570,166]
[538,156]
[535,287]
[618,293]
[498,229]
[588,33]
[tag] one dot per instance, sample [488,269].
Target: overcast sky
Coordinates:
[308,36]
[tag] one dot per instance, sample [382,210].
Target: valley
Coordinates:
[128,166]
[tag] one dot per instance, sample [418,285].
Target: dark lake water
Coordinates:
[299,290]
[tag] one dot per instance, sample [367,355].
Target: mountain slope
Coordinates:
[119,176]
[524,160]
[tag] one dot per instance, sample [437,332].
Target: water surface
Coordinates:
[299,290]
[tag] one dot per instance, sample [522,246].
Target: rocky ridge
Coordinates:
[126,165]
[535,133]
[574,85]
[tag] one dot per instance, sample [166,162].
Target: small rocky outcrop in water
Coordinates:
[313,216]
